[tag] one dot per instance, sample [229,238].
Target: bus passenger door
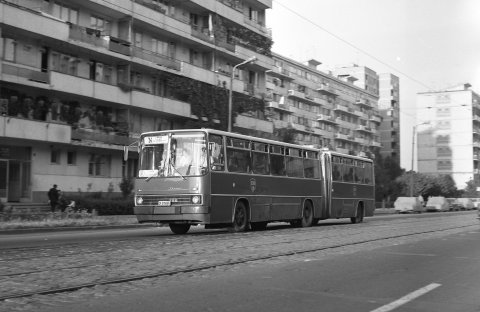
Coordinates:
[327,185]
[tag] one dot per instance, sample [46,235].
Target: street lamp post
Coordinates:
[252,59]
[413,153]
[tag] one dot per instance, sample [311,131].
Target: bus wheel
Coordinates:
[359,217]
[179,228]
[240,218]
[307,215]
[258,226]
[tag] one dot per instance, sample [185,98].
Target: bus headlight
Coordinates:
[139,200]
[196,199]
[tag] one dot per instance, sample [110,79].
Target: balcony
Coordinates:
[300,128]
[281,107]
[363,102]
[362,141]
[27,129]
[156,58]
[202,34]
[161,104]
[251,123]
[169,22]
[33,21]
[366,129]
[279,72]
[327,119]
[344,137]
[87,35]
[306,97]
[327,90]
[375,144]
[98,136]
[89,88]
[19,72]
[375,119]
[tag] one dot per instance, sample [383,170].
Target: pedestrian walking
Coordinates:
[53,196]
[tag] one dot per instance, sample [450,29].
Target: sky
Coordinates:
[430,45]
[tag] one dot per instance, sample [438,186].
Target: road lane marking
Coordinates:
[405,299]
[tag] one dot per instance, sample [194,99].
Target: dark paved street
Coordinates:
[179,261]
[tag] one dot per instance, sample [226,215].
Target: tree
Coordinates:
[126,186]
[428,185]
[386,172]
[471,190]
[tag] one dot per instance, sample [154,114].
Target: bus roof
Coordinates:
[236,135]
[334,153]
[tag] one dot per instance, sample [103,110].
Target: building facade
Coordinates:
[448,141]
[389,107]
[82,78]
[320,109]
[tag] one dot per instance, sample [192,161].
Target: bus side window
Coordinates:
[215,148]
[277,161]
[295,164]
[360,170]
[368,173]
[260,158]
[311,165]
[336,172]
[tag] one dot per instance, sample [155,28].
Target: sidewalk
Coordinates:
[109,222]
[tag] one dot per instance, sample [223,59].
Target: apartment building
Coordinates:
[448,133]
[321,109]
[389,107]
[82,78]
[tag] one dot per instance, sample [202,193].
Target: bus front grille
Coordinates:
[155,200]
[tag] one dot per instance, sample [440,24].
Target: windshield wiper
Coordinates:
[153,175]
[176,170]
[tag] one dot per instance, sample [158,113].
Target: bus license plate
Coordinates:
[164,203]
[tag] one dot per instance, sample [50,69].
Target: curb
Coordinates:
[74,228]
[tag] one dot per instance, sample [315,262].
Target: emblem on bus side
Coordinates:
[253,184]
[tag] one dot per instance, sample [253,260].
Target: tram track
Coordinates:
[213,265]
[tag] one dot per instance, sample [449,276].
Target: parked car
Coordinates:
[452,204]
[465,203]
[437,203]
[408,204]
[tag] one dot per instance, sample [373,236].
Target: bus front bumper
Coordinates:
[194,214]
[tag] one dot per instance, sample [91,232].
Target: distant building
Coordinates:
[321,109]
[450,142]
[389,107]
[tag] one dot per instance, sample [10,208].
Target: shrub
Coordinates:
[104,206]
[126,186]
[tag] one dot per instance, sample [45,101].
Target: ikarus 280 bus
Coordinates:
[222,179]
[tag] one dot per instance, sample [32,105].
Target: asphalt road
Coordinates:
[440,274]
[412,263]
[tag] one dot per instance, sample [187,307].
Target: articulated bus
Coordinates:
[221,179]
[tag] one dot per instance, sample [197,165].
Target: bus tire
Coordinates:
[307,214]
[179,228]
[259,226]
[240,218]
[359,216]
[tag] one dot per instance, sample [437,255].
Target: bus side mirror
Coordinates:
[125,153]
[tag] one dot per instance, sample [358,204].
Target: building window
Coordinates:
[444,165]
[71,158]
[55,156]
[9,52]
[100,24]
[99,165]
[65,13]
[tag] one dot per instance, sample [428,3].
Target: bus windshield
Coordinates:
[172,155]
